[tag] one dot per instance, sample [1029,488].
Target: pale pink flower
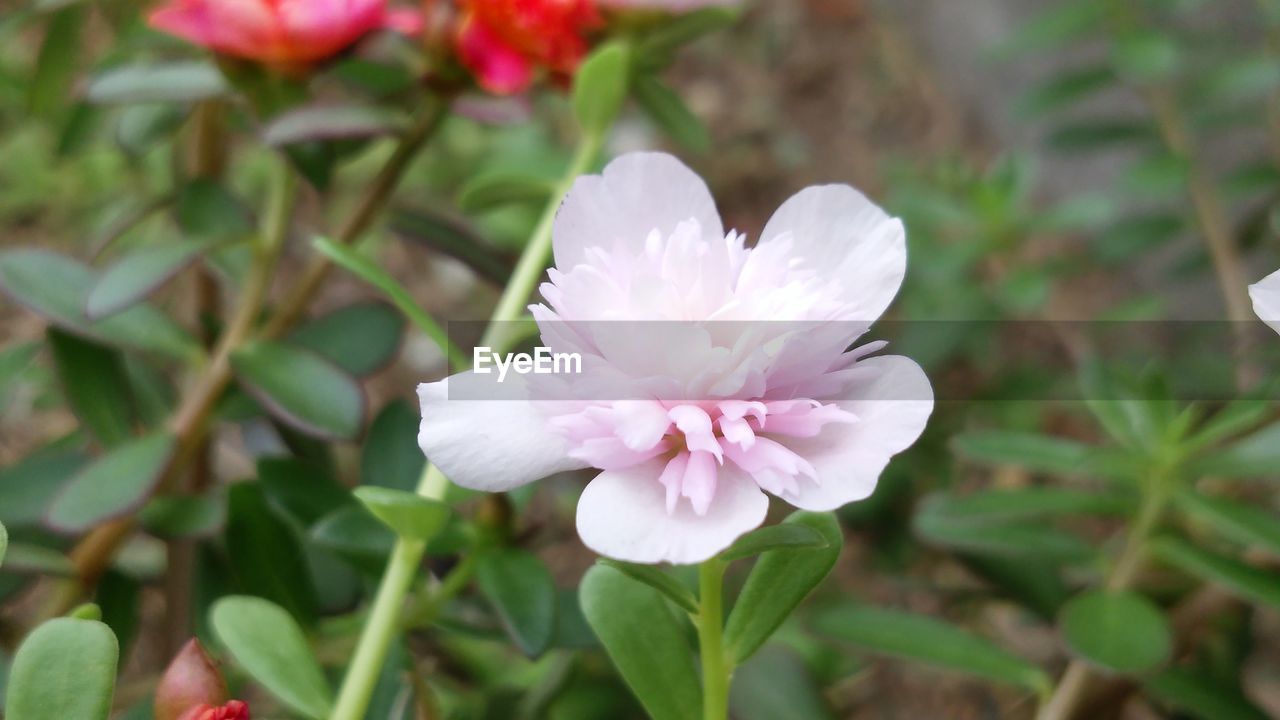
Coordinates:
[279,31]
[714,372]
[1266,299]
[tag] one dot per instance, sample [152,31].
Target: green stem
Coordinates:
[716,669]
[384,618]
[1070,691]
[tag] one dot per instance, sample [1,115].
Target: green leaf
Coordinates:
[38,560]
[269,645]
[657,47]
[354,535]
[301,388]
[56,64]
[1145,56]
[332,122]
[4,543]
[28,486]
[1065,89]
[776,685]
[170,82]
[780,580]
[66,669]
[668,111]
[391,457]
[184,516]
[95,385]
[490,190]
[600,87]
[1198,695]
[410,515]
[361,338]
[113,485]
[929,641]
[1097,134]
[1247,524]
[1255,455]
[658,580]
[647,643]
[140,273]
[522,592]
[774,537]
[1039,453]
[458,241]
[206,210]
[1011,540]
[1057,26]
[1001,506]
[369,271]
[266,553]
[1238,578]
[301,489]
[55,286]
[1122,632]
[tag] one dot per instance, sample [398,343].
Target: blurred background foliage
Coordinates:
[1060,165]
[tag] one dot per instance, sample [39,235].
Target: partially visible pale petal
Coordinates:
[838,233]
[636,194]
[1266,299]
[892,408]
[623,515]
[491,445]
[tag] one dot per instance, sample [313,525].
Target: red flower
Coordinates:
[233,710]
[278,31]
[503,42]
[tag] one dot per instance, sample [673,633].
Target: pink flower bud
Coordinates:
[191,681]
[279,33]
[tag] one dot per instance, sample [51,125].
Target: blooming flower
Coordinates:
[1266,299]
[278,31]
[504,41]
[713,372]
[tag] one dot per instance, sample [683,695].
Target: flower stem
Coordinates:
[716,669]
[93,554]
[384,617]
[1070,691]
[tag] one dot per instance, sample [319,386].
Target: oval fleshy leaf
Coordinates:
[1122,632]
[112,485]
[169,82]
[267,642]
[929,641]
[332,122]
[138,274]
[361,338]
[301,388]
[774,537]
[521,590]
[648,643]
[778,583]
[410,515]
[55,286]
[65,669]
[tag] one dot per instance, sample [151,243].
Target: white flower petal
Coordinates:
[837,232]
[491,445]
[623,515]
[892,410]
[636,194]
[1266,299]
